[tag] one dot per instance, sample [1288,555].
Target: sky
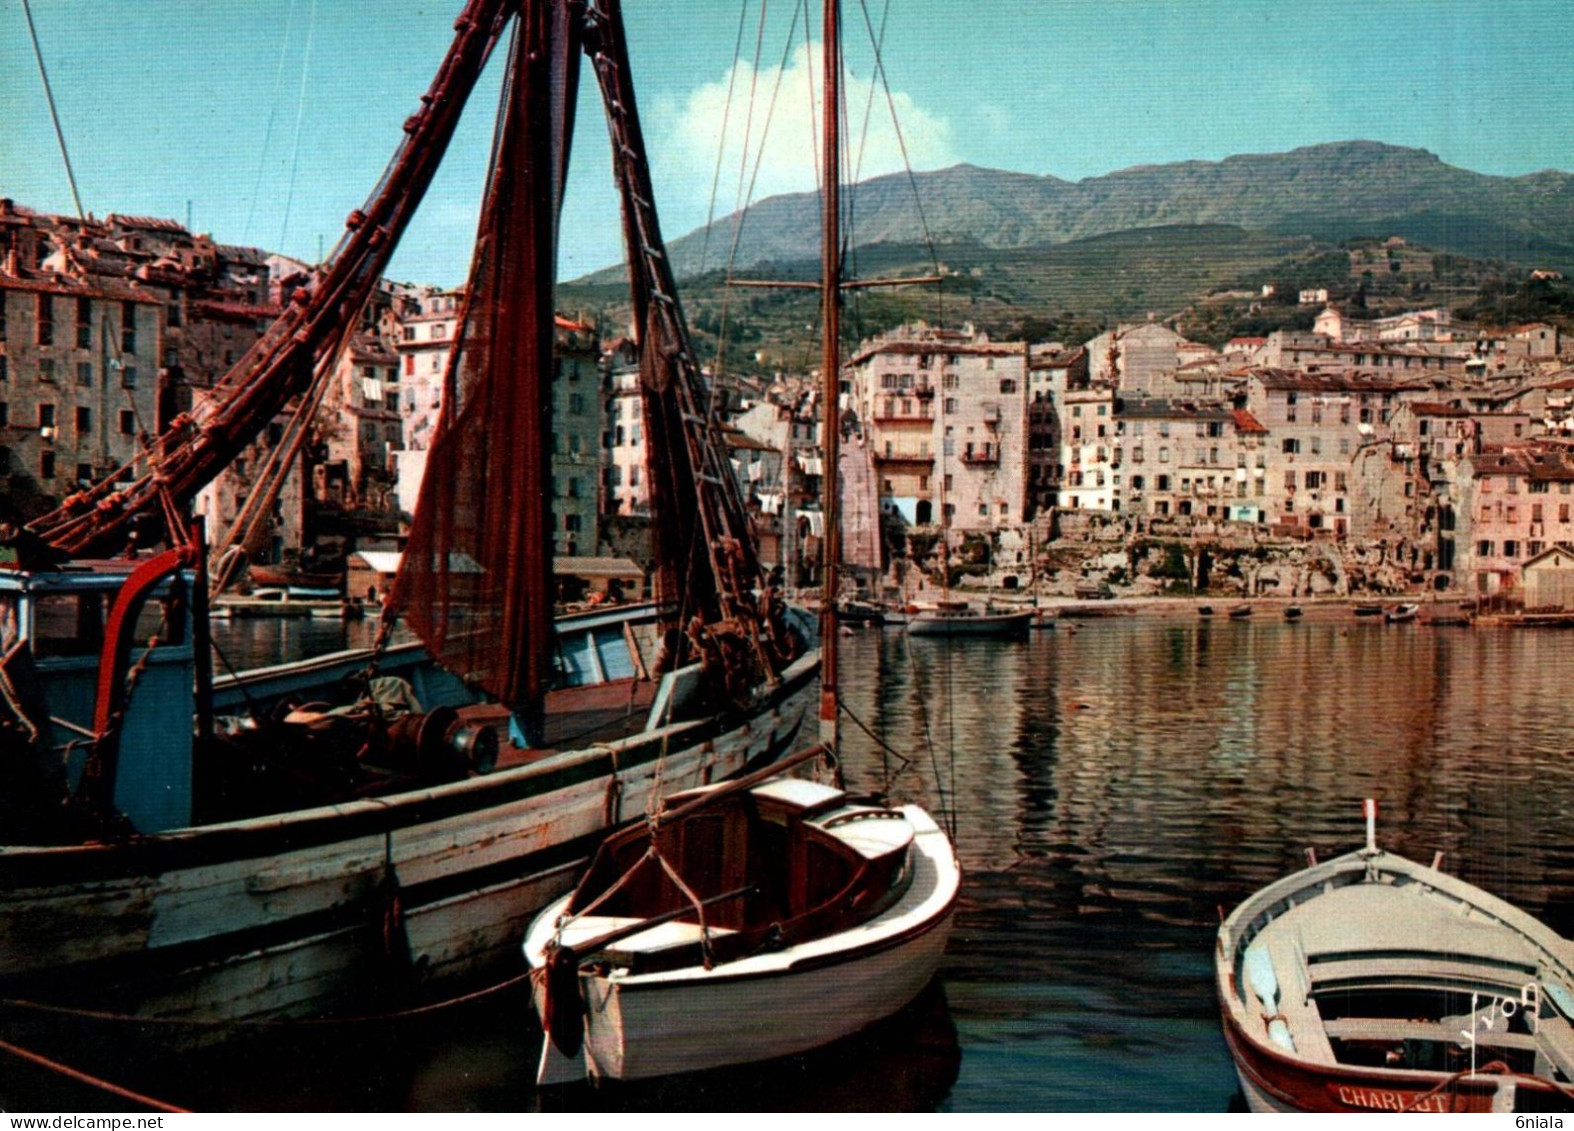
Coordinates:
[268,121]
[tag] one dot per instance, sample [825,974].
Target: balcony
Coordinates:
[987,455]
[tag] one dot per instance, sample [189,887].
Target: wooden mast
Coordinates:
[830,363]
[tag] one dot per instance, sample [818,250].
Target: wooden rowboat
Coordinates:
[803,915]
[1372,983]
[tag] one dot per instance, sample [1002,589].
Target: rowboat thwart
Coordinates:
[742,925]
[1372,983]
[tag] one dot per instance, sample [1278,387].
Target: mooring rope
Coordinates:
[91,1081]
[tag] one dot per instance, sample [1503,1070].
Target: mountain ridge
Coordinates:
[1334,190]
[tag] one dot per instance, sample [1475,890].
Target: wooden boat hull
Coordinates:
[1388,926]
[301,913]
[1009,626]
[1401,614]
[768,1005]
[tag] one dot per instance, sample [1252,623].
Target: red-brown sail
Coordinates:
[476,580]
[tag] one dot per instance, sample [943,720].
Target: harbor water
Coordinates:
[1116,784]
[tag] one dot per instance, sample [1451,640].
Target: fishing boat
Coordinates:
[746,922]
[374,843]
[1240,612]
[1368,610]
[959,619]
[1204,610]
[1372,983]
[1399,614]
[1293,612]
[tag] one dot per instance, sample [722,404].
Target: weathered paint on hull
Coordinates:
[298,913]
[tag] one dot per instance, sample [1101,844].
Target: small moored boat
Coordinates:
[1372,983]
[1240,612]
[1293,612]
[958,618]
[1401,613]
[745,922]
[1368,610]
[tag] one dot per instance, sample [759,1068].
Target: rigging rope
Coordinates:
[721,146]
[300,116]
[54,114]
[267,133]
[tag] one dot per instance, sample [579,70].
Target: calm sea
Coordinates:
[1113,787]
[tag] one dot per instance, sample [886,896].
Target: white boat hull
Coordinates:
[1009,625]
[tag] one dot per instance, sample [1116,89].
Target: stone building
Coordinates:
[579,427]
[945,417]
[1514,505]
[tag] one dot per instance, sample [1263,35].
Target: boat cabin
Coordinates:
[62,615]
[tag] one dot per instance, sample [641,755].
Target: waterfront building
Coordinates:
[1516,503]
[945,417]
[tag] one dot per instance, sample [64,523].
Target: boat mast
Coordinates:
[830,364]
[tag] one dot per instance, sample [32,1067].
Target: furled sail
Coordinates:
[476,580]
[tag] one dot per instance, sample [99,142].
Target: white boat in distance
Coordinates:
[748,922]
[959,619]
[1372,983]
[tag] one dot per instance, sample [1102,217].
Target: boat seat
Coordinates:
[1556,1038]
[1401,1029]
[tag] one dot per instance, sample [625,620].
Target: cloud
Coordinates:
[788,133]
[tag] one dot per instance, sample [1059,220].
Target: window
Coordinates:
[128,422]
[84,323]
[172,315]
[1535,512]
[1317,445]
[46,369]
[46,320]
[1533,548]
[84,373]
[1289,480]
[1563,508]
[5,374]
[128,377]
[84,420]
[84,473]
[1162,483]
[1289,408]
[46,416]
[1510,548]
[1341,482]
[1008,385]
[950,404]
[1484,549]
[1344,445]
[1164,455]
[634,476]
[46,465]
[1315,480]
[1292,446]
[128,327]
[571,523]
[5,418]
